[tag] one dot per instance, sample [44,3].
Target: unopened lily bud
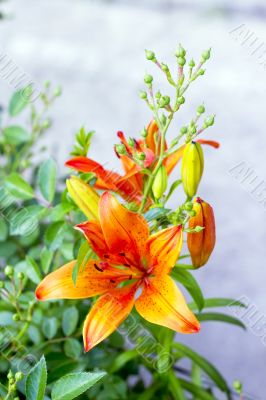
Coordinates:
[165,68]
[141,156]
[201,109]
[131,142]
[192,168]
[181,61]
[209,121]
[201,244]
[85,197]
[191,63]
[160,183]
[183,130]
[206,55]
[16,317]
[144,132]
[181,100]
[181,52]
[121,149]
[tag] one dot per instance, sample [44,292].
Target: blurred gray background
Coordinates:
[95,51]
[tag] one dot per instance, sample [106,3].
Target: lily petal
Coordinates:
[125,232]
[162,303]
[164,248]
[92,231]
[84,196]
[109,311]
[91,281]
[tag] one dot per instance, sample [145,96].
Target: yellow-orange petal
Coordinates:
[109,311]
[162,303]
[86,198]
[125,232]
[164,248]
[92,280]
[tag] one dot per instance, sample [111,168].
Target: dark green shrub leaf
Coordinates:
[49,327]
[33,270]
[71,386]
[72,348]
[3,230]
[47,179]
[218,302]
[54,235]
[18,187]
[70,320]
[46,259]
[36,381]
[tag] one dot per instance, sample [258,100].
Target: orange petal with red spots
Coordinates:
[164,248]
[109,311]
[162,303]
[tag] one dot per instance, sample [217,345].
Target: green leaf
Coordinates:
[19,101]
[54,235]
[72,348]
[3,230]
[190,283]
[49,327]
[25,221]
[72,385]
[122,359]
[173,188]
[155,213]
[221,318]
[70,320]
[16,135]
[204,364]
[6,318]
[218,302]
[47,179]
[7,249]
[46,259]
[33,270]
[18,187]
[36,381]
[198,392]
[175,386]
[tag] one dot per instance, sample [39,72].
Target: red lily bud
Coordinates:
[201,244]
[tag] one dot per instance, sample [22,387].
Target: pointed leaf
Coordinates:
[190,283]
[36,381]
[47,179]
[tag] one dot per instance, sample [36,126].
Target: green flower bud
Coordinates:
[188,206]
[192,168]
[193,129]
[2,284]
[21,276]
[143,95]
[238,386]
[57,91]
[16,317]
[181,61]
[166,100]
[160,183]
[9,271]
[121,149]
[181,52]
[191,63]
[46,124]
[209,121]
[206,55]
[141,156]
[150,55]
[158,95]
[165,68]
[19,376]
[144,132]
[47,84]
[181,100]
[201,109]
[201,72]
[192,213]
[148,79]
[9,375]
[183,130]
[131,142]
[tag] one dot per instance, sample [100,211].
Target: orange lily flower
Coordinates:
[133,269]
[130,185]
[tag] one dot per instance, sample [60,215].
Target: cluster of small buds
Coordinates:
[132,149]
[12,383]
